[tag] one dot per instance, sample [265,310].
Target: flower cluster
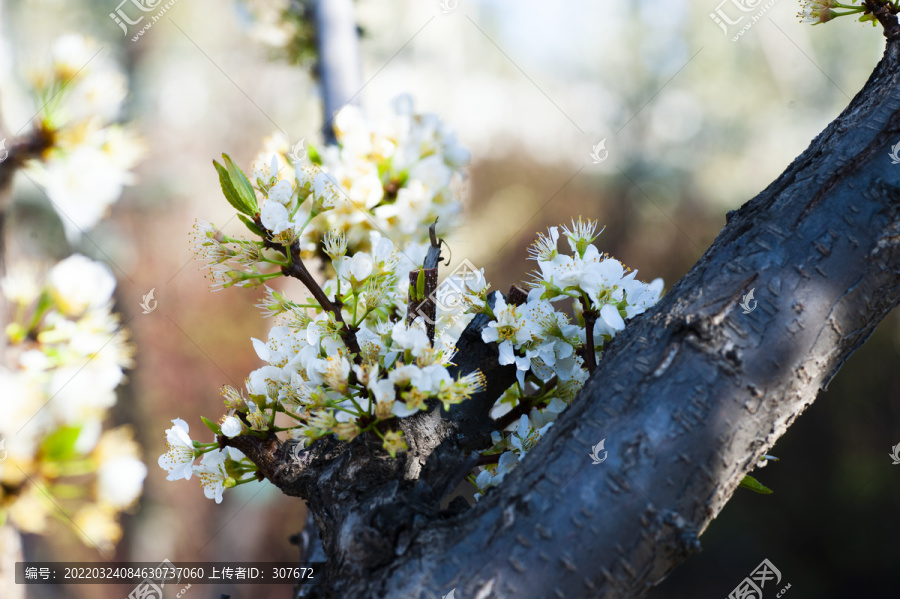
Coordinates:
[394,176]
[822,11]
[348,360]
[553,356]
[316,379]
[65,357]
[85,159]
[345,368]
[219,469]
[390,180]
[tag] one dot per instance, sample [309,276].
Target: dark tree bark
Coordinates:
[687,398]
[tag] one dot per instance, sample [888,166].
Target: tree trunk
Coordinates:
[688,397]
[339,71]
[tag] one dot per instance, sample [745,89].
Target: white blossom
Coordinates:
[232,427]
[212,474]
[178,460]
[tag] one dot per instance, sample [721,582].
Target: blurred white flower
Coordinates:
[83,391]
[120,480]
[22,283]
[82,185]
[79,283]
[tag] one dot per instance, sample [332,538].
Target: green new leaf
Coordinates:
[252,226]
[231,194]
[60,445]
[314,156]
[211,425]
[420,285]
[754,485]
[236,187]
[241,184]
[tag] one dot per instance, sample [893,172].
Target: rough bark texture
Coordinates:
[694,391]
[687,398]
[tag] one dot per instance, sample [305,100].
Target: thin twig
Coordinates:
[426,305]
[525,405]
[299,271]
[517,412]
[484,460]
[590,357]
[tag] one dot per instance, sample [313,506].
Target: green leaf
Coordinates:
[314,156]
[754,485]
[228,189]
[252,226]
[420,285]
[211,425]
[241,184]
[60,445]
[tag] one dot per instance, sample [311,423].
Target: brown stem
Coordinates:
[517,412]
[433,257]
[886,15]
[20,151]
[590,357]
[426,306]
[488,459]
[299,271]
[516,296]
[525,405]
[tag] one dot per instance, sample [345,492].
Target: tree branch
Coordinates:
[337,477]
[299,271]
[590,357]
[524,407]
[426,305]
[688,396]
[886,15]
[691,393]
[339,70]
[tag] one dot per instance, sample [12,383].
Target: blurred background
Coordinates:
[694,124]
